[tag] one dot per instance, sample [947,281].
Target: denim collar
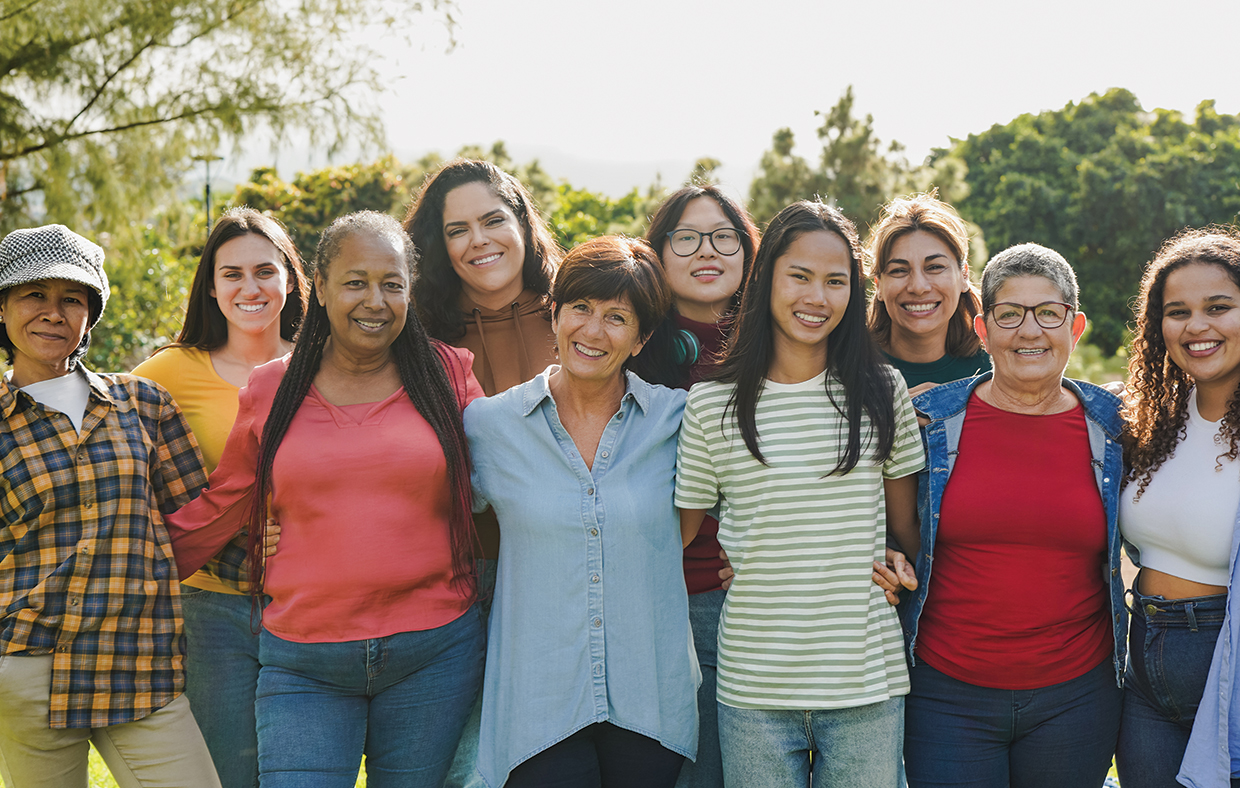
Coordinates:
[949,399]
[539,389]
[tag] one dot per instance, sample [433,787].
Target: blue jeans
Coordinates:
[707,771]
[770,748]
[401,700]
[966,736]
[221,677]
[1170,646]
[464,772]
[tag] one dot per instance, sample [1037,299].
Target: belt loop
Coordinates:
[1192,618]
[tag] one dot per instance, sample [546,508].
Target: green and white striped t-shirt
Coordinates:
[804,626]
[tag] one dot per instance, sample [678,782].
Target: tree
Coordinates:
[855,173]
[1103,182]
[101,101]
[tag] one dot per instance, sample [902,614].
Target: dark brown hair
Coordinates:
[1156,404]
[436,287]
[853,357]
[927,213]
[205,326]
[614,267]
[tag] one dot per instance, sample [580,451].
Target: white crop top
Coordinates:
[68,394]
[1184,520]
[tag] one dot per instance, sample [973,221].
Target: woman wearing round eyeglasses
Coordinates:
[706,243]
[1018,643]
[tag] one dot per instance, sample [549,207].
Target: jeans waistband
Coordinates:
[1169,610]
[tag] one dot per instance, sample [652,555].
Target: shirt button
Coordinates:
[598,622]
[598,670]
[593,578]
[590,491]
[1106,478]
[593,532]
[73,601]
[619,415]
[62,649]
[605,455]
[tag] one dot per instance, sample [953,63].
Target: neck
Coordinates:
[1041,400]
[796,363]
[254,350]
[496,299]
[339,360]
[702,313]
[585,397]
[917,348]
[29,374]
[1212,400]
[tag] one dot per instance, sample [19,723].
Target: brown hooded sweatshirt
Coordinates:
[510,345]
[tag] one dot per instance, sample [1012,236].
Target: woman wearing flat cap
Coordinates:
[90,621]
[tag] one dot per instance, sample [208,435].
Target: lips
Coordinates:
[251,308]
[370,325]
[587,351]
[920,309]
[486,259]
[709,272]
[812,319]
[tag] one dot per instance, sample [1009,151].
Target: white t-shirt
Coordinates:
[1183,522]
[804,626]
[67,394]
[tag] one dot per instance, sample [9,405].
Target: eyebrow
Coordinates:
[1219,297]
[481,218]
[934,256]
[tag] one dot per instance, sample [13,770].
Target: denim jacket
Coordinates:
[1213,753]
[945,406]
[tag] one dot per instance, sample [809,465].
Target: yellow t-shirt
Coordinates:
[210,406]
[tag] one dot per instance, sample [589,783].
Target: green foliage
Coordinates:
[102,101]
[309,203]
[1104,183]
[704,172]
[580,215]
[1088,362]
[855,173]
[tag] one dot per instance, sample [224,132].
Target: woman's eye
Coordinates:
[495,221]
[896,272]
[454,232]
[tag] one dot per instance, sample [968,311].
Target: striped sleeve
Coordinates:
[697,485]
[907,454]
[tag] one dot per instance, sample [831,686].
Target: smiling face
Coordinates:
[809,293]
[365,291]
[705,281]
[920,285]
[594,338]
[1201,325]
[1029,357]
[250,284]
[46,321]
[485,245]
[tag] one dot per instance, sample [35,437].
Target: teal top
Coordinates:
[945,370]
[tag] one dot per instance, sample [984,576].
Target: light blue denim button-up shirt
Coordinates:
[945,406]
[1213,753]
[590,621]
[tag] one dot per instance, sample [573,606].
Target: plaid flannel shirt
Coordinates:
[86,568]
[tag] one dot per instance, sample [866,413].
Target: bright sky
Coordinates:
[608,94]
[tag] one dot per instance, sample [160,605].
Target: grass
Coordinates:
[101,778]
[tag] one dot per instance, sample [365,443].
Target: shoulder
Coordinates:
[504,405]
[709,392]
[169,360]
[948,398]
[123,386]
[1100,405]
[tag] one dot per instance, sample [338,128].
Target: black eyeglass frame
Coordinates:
[711,235]
[1068,309]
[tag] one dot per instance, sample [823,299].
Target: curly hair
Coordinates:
[1156,408]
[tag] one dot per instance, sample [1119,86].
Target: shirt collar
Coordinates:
[8,392]
[539,389]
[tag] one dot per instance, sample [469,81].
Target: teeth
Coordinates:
[811,318]
[370,323]
[708,272]
[1031,351]
[587,351]
[484,260]
[250,307]
[1198,346]
[919,307]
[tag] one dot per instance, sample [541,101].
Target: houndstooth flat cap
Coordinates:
[52,252]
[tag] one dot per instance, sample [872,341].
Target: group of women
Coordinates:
[458,490]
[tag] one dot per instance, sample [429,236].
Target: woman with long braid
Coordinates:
[370,644]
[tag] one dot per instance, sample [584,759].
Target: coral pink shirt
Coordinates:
[362,496]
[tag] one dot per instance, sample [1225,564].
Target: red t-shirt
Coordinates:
[702,561]
[1018,598]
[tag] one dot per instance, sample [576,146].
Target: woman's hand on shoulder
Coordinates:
[271,537]
[897,573]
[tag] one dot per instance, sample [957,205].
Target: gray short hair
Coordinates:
[1028,260]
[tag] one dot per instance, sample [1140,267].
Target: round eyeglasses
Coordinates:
[726,240]
[1049,314]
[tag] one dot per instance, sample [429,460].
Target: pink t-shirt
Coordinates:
[362,496]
